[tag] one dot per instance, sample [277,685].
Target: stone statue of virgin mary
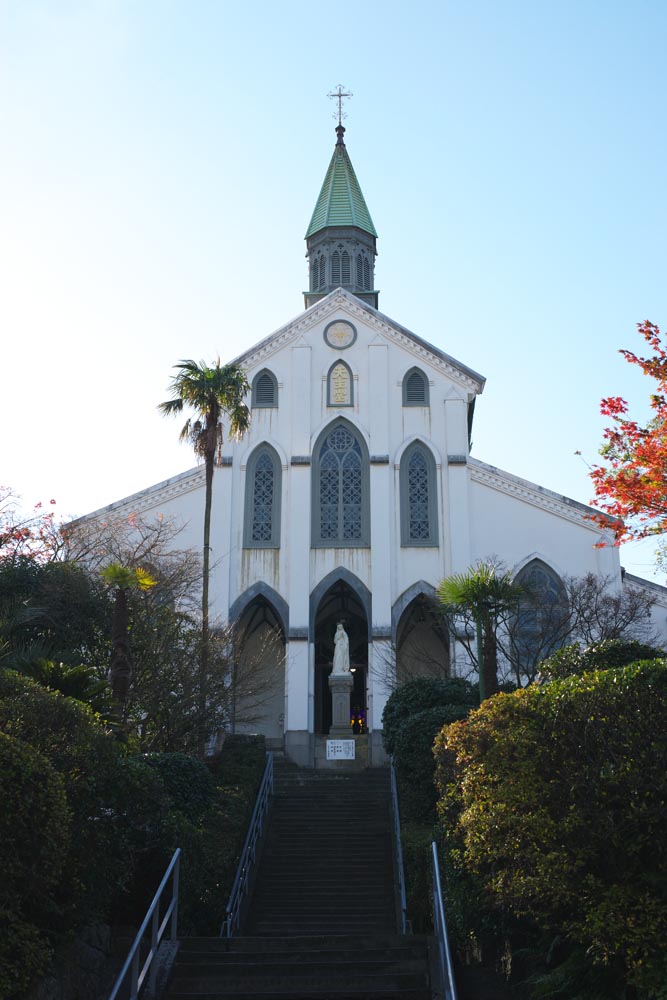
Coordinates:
[341,660]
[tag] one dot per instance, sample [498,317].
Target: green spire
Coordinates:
[341,202]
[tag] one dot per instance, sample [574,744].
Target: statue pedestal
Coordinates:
[340,686]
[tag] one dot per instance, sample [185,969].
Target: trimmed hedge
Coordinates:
[575,660]
[187,782]
[557,796]
[422,694]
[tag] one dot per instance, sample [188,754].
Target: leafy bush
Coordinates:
[34,840]
[116,804]
[419,695]
[187,782]
[413,758]
[24,954]
[557,794]
[575,660]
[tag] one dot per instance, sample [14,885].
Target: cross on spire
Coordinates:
[339,95]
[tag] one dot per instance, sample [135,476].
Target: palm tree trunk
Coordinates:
[205,640]
[121,660]
[490,661]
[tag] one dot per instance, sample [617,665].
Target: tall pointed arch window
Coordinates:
[262,499]
[341,515]
[540,625]
[418,489]
[415,388]
[264,390]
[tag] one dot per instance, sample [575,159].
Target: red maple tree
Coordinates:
[34,535]
[631,485]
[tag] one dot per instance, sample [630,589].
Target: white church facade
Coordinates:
[354,493]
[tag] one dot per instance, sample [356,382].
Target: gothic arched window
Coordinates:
[323,273]
[345,262]
[419,508]
[262,500]
[539,626]
[360,271]
[264,389]
[415,388]
[367,273]
[340,386]
[341,513]
[315,281]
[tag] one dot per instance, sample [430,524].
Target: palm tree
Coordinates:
[122,579]
[213,393]
[485,594]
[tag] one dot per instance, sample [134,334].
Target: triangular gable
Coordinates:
[341,300]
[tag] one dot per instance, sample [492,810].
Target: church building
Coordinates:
[354,492]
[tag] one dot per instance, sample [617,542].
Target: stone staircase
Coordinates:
[322,919]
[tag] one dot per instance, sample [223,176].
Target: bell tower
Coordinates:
[341,237]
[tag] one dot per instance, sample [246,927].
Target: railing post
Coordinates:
[398,847]
[134,982]
[447,984]
[173,934]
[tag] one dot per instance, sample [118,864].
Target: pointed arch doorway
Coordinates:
[340,603]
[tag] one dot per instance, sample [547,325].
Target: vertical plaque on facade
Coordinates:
[340,749]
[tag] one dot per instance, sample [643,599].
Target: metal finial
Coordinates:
[338,95]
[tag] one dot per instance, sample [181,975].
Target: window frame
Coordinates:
[364,540]
[416,371]
[249,503]
[432,540]
[254,402]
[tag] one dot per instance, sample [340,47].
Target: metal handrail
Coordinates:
[232,922]
[446,986]
[158,927]
[398,849]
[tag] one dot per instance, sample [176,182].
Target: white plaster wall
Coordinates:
[515,530]
[378,366]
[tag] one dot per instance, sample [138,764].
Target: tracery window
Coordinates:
[340,489]
[340,385]
[264,389]
[415,388]
[539,626]
[262,506]
[419,522]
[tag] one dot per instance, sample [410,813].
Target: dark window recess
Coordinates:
[416,389]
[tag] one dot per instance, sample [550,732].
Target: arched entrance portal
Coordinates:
[258,680]
[340,604]
[422,641]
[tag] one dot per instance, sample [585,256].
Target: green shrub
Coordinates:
[414,762]
[187,782]
[557,794]
[575,660]
[34,841]
[419,695]
[117,803]
[24,954]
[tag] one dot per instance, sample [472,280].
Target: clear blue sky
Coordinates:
[159,162]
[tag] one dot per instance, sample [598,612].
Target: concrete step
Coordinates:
[329,966]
